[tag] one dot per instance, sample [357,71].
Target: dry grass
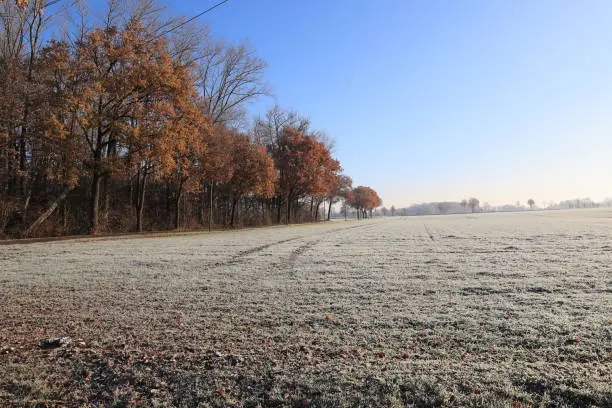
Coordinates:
[492,310]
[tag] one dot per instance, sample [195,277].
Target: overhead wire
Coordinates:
[182,24]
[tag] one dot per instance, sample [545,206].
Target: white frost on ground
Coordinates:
[480,309]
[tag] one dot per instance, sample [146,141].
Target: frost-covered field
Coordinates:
[483,310]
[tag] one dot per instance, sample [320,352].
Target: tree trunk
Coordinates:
[64,216]
[26,202]
[312,215]
[94,210]
[279,209]
[210,210]
[288,209]
[317,210]
[177,214]
[43,217]
[234,202]
[106,180]
[329,211]
[105,190]
[141,199]
[263,212]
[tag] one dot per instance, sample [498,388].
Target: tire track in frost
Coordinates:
[241,254]
[237,259]
[289,264]
[428,232]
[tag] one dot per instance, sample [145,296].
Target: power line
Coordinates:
[163,32]
[190,20]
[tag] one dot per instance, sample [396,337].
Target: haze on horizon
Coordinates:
[437,100]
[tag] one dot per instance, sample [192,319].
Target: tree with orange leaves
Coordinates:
[363,199]
[22,4]
[253,172]
[112,129]
[186,154]
[324,174]
[305,167]
[128,99]
[339,192]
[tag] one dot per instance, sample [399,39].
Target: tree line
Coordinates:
[121,125]
[472,205]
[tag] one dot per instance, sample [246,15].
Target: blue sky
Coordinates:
[441,100]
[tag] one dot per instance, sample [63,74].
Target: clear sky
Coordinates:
[441,100]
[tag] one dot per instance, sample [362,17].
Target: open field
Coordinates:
[490,310]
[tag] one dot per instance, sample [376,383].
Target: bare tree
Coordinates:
[268,130]
[473,203]
[21,35]
[339,192]
[464,204]
[228,77]
[12,31]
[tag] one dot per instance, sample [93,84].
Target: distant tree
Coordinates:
[339,191]
[473,203]
[306,168]
[384,211]
[464,204]
[531,203]
[364,199]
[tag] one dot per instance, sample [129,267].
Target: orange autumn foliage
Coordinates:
[109,132]
[305,165]
[253,171]
[364,198]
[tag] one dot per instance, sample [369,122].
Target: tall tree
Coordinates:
[340,191]
[117,77]
[305,167]
[473,203]
[364,199]
[21,33]
[228,77]
[253,172]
